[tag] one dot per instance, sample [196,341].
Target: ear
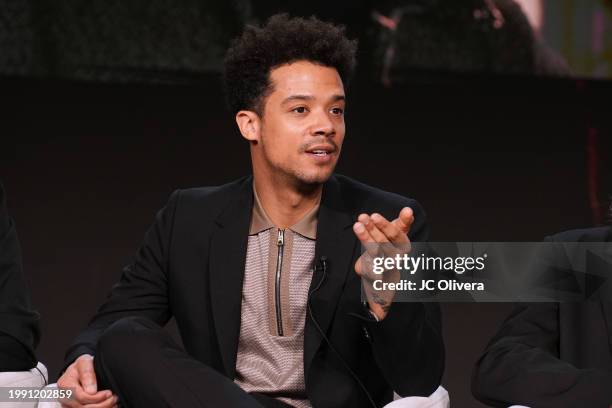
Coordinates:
[249,124]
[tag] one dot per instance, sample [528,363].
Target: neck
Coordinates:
[284,203]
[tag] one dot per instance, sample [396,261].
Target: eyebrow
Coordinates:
[291,98]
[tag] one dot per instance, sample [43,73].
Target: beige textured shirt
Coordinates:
[277,277]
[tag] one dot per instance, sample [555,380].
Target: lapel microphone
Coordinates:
[321,265]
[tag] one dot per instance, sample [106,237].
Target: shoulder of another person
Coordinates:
[597,234]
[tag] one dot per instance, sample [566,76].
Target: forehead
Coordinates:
[304,77]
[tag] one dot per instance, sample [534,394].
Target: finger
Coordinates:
[107,400]
[392,232]
[368,242]
[374,231]
[108,403]
[87,375]
[370,245]
[84,397]
[405,220]
[395,235]
[360,229]
[70,404]
[378,225]
[69,381]
[365,220]
[358,267]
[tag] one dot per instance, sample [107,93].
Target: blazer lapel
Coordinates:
[335,241]
[226,270]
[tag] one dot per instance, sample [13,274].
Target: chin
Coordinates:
[314,178]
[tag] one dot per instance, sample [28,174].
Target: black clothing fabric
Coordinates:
[14,356]
[191,266]
[551,354]
[161,367]
[19,324]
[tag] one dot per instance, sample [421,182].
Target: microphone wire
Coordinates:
[323,262]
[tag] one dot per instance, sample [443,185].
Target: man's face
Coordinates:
[302,124]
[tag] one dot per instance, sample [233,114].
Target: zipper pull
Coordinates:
[281,238]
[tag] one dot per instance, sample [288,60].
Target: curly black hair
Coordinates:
[282,40]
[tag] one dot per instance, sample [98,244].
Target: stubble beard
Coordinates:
[302,180]
[298,178]
[306,181]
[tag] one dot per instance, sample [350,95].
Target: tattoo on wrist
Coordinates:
[382,302]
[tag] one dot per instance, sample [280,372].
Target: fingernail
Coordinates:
[90,388]
[359,227]
[376,217]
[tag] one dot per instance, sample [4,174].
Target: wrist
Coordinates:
[378,312]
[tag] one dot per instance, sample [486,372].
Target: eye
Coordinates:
[337,111]
[299,109]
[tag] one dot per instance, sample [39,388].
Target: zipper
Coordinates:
[280,243]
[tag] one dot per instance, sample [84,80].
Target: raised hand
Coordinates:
[374,230]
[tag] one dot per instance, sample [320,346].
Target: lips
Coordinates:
[321,150]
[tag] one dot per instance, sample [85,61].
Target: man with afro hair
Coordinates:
[263,274]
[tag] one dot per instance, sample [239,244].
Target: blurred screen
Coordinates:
[158,41]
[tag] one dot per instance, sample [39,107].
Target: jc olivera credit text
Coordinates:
[428,285]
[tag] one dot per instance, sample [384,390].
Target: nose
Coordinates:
[323,125]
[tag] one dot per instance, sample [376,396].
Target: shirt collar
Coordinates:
[260,221]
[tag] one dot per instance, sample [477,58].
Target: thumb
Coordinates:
[87,375]
[404,220]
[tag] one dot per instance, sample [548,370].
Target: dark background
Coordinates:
[107,107]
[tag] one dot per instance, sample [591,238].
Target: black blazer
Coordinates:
[191,266]
[19,323]
[551,354]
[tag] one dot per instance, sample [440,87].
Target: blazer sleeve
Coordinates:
[407,344]
[19,323]
[142,289]
[521,365]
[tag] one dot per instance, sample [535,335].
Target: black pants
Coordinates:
[142,364]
